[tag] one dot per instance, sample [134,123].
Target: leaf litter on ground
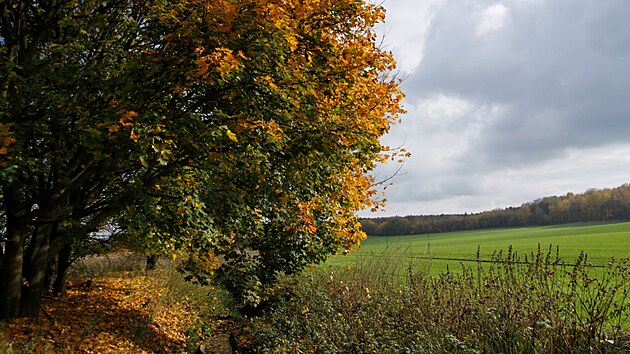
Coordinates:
[125,312]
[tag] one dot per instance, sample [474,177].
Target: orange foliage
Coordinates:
[6,138]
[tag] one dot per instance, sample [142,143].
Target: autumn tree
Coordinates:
[244,130]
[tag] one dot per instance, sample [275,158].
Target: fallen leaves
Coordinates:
[127,312]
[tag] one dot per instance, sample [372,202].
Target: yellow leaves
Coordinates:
[206,261]
[292,41]
[231,135]
[379,14]
[119,313]
[221,60]
[267,80]
[306,215]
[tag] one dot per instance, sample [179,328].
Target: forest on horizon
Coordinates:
[609,204]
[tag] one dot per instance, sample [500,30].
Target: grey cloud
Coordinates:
[559,70]
[533,104]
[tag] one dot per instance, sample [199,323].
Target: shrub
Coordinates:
[511,305]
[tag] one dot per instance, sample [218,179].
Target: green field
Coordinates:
[600,241]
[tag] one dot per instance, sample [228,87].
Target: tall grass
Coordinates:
[511,305]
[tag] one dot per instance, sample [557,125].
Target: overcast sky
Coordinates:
[508,101]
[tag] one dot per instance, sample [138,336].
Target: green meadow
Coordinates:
[394,296]
[599,241]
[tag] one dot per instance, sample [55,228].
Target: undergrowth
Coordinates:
[535,304]
[511,305]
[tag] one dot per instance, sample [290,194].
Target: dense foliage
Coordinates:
[233,130]
[611,204]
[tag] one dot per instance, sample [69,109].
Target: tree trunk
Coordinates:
[151,262]
[34,270]
[51,270]
[63,263]
[11,279]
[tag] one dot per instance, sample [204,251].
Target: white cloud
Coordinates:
[405,28]
[492,19]
[575,171]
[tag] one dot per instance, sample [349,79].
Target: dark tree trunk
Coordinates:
[151,262]
[34,270]
[12,261]
[11,287]
[63,263]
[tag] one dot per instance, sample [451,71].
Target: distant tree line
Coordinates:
[611,204]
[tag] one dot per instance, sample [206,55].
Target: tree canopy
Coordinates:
[237,133]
